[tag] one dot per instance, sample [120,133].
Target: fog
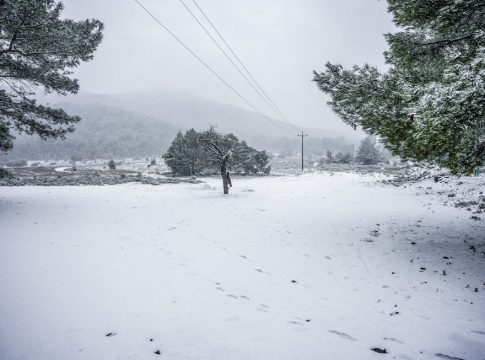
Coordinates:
[280,41]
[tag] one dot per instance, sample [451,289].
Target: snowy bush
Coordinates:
[112,164]
[4,173]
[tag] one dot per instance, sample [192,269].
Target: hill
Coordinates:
[144,123]
[104,132]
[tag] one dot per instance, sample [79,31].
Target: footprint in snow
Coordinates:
[296,322]
[300,324]
[263,308]
[235,318]
[393,339]
[342,335]
[245,257]
[262,272]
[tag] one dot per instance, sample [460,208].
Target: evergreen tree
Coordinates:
[430,104]
[187,154]
[248,160]
[112,164]
[368,153]
[38,49]
[261,160]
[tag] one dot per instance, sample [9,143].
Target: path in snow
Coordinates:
[311,267]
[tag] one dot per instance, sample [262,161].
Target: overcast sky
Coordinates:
[280,41]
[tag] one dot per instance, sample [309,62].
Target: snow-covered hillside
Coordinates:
[311,267]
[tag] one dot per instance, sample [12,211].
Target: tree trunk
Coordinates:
[228,179]
[225,183]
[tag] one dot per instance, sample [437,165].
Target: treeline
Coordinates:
[188,155]
[107,132]
[314,146]
[369,152]
[104,132]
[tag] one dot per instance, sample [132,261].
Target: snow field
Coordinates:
[312,267]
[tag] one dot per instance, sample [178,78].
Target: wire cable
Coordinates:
[206,65]
[230,60]
[242,64]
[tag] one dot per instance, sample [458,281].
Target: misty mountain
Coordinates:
[103,132]
[185,110]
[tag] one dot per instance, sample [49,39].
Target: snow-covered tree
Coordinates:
[185,156]
[430,104]
[38,50]
[368,153]
[193,153]
[112,164]
[344,158]
[220,150]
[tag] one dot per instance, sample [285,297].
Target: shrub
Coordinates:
[4,174]
[344,158]
[112,164]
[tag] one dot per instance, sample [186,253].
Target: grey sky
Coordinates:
[280,41]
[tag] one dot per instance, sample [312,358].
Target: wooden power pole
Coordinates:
[302,135]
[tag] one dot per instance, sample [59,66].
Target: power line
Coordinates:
[228,57]
[205,64]
[196,56]
[242,64]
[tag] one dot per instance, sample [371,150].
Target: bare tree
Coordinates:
[220,153]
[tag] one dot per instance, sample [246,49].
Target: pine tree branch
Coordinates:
[15,34]
[445,41]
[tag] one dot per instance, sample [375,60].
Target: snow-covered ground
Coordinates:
[312,267]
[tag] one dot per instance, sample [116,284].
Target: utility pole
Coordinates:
[302,135]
